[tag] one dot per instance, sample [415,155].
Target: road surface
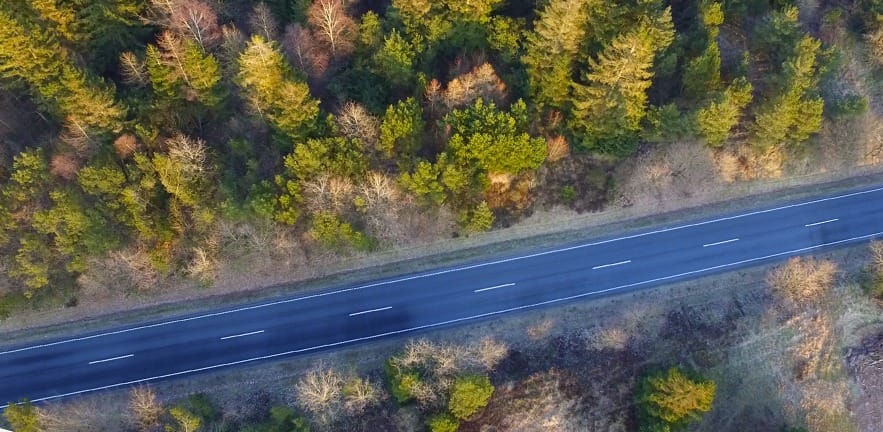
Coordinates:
[384,308]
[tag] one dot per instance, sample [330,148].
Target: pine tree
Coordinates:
[273,91]
[551,51]
[717,118]
[794,113]
[671,399]
[401,130]
[609,108]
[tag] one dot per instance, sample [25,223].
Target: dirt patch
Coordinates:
[865,364]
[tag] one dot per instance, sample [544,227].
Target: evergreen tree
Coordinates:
[273,92]
[794,112]
[551,51]
[23,417]
[717,117]
[609,108]
[671,399]
[401,130]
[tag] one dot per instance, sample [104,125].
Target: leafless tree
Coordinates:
[198,20]
[233,42]
[319,391]
[359,393]
[145,408]
[355,122]
[802,282]
[480,82]
[262,22]
[557,148]
[304,52]
[125,145]
[192,153]
[64,165]
[76,133]
[332,26]
[133,70]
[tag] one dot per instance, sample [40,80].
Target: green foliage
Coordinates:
[608,109]
[848,106]
[795,112]
[493,140]
[702,74]
[425,182]
[717,118]
[282,419]
[401,382]
[470,394]
[77,230]
[505,37]
[331,156]
[666,123]
[201,406]
[551,51]
[670,400]
[477,219]
[332,233]
[23,417]
[401,130]
[395,60]
[443,423]
[567,194]
[183,420]
[272,90]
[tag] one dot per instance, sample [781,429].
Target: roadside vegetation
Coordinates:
[769,349]
[151,144]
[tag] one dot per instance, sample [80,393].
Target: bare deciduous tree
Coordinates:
[557,148]
[262,22]
[125,145]
[319,391]
[332,26]
[144,408]
[76,133]
[303,51]
[356,122]
[802,282]
[359,393]
[64,165]
[480,82]
[132,69]
[197,20]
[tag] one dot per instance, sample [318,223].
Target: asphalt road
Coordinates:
[385,308]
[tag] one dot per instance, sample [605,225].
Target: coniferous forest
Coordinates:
[158,139]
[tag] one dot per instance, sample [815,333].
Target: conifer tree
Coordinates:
[274,92]
[608,109]
[718,116]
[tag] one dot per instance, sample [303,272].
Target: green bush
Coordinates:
[568,194]
[848,106]
[443,423]
[401,382]
[670,400]
[471,393]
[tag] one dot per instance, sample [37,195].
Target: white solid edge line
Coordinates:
[242,335]
[111,359]
[452,321]
[371,310]
[721,242]
[440,272]
[494,287]
[822,222]
[611,265]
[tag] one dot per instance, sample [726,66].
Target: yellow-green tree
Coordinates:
[273,91]
[609,107]
[671,399]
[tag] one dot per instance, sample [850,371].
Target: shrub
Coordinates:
[471,393]
[671,399]
[443,423]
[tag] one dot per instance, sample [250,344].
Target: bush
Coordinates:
[568,194]
[670,400]
[848,106]
[443,423]
[471,393]
[401,382]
